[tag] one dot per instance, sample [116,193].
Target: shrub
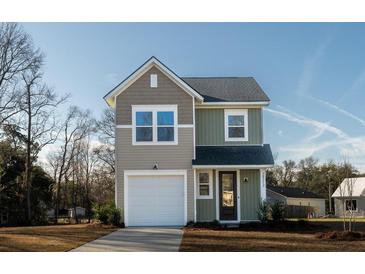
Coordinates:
[115,217]
[212,224]
[277,211]
[263,212]
[103,213]
[108,214]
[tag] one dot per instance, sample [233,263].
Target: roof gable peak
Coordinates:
[151,62]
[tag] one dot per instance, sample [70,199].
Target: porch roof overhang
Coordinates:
[244,156]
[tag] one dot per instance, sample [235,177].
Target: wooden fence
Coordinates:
[297,211]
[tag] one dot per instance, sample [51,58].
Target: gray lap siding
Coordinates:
[140,93]
[174,157]
[143,157]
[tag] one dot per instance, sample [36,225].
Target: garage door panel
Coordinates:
[155,200]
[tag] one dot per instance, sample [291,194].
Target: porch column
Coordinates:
[195,186]
[263,184]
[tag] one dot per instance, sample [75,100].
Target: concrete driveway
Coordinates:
[137,239]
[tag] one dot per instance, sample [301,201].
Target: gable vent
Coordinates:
[153,80]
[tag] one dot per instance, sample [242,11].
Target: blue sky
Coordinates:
[314,73]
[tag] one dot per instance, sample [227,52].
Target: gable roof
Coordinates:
[153,61]
[255,155]
[344,189]
[293,192]
[228,89]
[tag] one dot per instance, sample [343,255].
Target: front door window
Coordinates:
[228,195]
[228,191]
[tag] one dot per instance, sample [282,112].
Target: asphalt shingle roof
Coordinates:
[227,89]
[234,155]
[293,192]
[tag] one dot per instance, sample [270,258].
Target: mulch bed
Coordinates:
[283,226]
[341,236]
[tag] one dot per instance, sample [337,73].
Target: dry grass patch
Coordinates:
[50,238]
[238,240]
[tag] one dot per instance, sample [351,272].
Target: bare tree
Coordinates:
[17,55]
[284,175]
[346,191]
[89,161]
[75,128]
[106,128]
[37,106]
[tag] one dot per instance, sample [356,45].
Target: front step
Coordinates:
[233,225]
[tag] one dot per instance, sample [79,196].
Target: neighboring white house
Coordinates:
[350,196]
[80,211]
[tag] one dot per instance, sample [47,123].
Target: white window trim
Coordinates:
[228,112]
[154,109]
[357,207]
[210,183]
[153,81]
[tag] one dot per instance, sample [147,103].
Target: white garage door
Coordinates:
[155,200]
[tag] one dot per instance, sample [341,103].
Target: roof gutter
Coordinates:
[233,166]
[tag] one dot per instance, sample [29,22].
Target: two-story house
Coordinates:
[188,148]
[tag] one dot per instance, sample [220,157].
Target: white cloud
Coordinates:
[356,85]
[359,81]
[311,63]
[345,145]
[304,121]
[338,109]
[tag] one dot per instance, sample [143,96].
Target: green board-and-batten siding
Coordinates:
[250,193]
[210,127]
[205,208]
[249,198]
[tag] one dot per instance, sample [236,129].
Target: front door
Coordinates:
[228,195]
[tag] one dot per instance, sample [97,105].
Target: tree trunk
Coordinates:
[28,160]
[58,188]
[344,214]
[74,195]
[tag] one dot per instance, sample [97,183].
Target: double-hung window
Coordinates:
[154,125]
[235,125]
[205,184]
[144,126]
[351,205]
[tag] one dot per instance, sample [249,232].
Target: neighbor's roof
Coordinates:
[227,89]
[356,184]
[255,155]
[293,192]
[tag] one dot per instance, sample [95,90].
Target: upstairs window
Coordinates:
[144,127]
[235,125]
[154,125]
[165,126]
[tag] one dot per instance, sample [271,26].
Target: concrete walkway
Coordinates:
[136,239]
